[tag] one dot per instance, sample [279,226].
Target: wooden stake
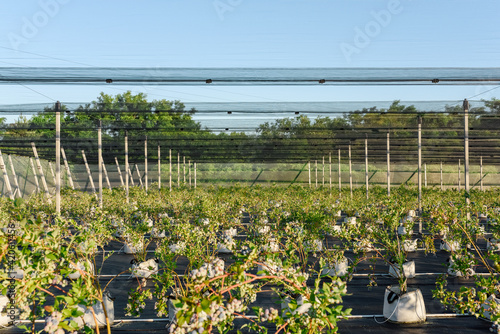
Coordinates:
[316,174]
[189,172]
[68,171]
[159,169]
[40,170]
[6,177]
[441,175]
[127,169]
[309,168]
[330,164]
[323,171]
[89,174]
[99,160]
[350,170]
[52,172]
[366,165]
[139,175]
[119,172]
[106,175]
[195,175]
[16,182]
[170,169]
[131,176]
[388,166]
[178,169]
[35,176]
[58,158]
[340,175]
[481,172]
[146,164]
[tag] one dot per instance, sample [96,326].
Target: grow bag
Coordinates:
[407,308]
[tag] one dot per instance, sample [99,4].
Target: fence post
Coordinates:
[42,176]
[159,169]
[189,172]
[68,171]
[481,171]
[126,167]
[316,174]
[178,169]
[35,176]
[170,169]
[388,166]
[195,175]
[459,184]
[184,169]
[16,182]
[58,158]
[89,173]
[330,164]
[419,163]
[366,165]
[146,164]
[99,160]
[323,171]
[119,171]
[350,170]
[6,177]
[441,174]
[466,154]
[309,169]
[340,176]
[425,175]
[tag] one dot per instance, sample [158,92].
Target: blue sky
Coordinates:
[249,33]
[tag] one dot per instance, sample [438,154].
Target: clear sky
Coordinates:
[249,33]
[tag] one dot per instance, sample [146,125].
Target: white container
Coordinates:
[4,316]
[144,269]
[350,220]
[131,248]
[302,306]
[156,233]
[314,245]
[177,247]
[340,268]
[88,318]
[411,213]
[452,270]
[403,231]
[80,265]
[408,308]
[263,230]
[488,306]
[172,311]
[410,245]
[449,245]
[231,232]
[408,269]
[272,246]
[493,244]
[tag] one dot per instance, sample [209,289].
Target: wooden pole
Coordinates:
[40,170]
[119,171]
[131,176]
[466,148]
[68,171]
[89,174]
[16,182]
[309,169]
[366,165]
[350,170]
[195,175]
[106,175]
[481,172]
[184,170]
[340,175]
[6,177]
[419,163]
[459,183]
[189,172]
[127,170]
[425,175]
[35,176]
[388,166]
[316,175]
[178,169]
[170,169]
[146,164]
[139,175]
[99,160]
[330,164]
[323,171]
[58,158]
[441,174]
[159,169]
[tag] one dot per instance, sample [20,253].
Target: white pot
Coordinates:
[412,213]
[452,270]
[88,319]
[144,269]
[493,244]
[302,306]
[410,245]
[314,245]
[231,232]
[408,269]
[81,265]
[263,229]
[365,245]
[350,220]
[340,268]
[488,306]
[408,308]
[130,248]
[272,246]
[177,247]
[5,317]
[156,233]
[172,311]
[225,246]
[449,245]
[337,228]
[403,231]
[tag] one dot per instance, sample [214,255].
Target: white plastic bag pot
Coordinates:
[453,270]
[272,246]
[449,245]
[408,269]
[88,318]
[314,245]
[350,220]
[488,306]
[133,248]
[339,268]
[144,269]
[410,245]
[5,315]
[493,244]
[231,232]
[407,308]
[302,306]
[80,265]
